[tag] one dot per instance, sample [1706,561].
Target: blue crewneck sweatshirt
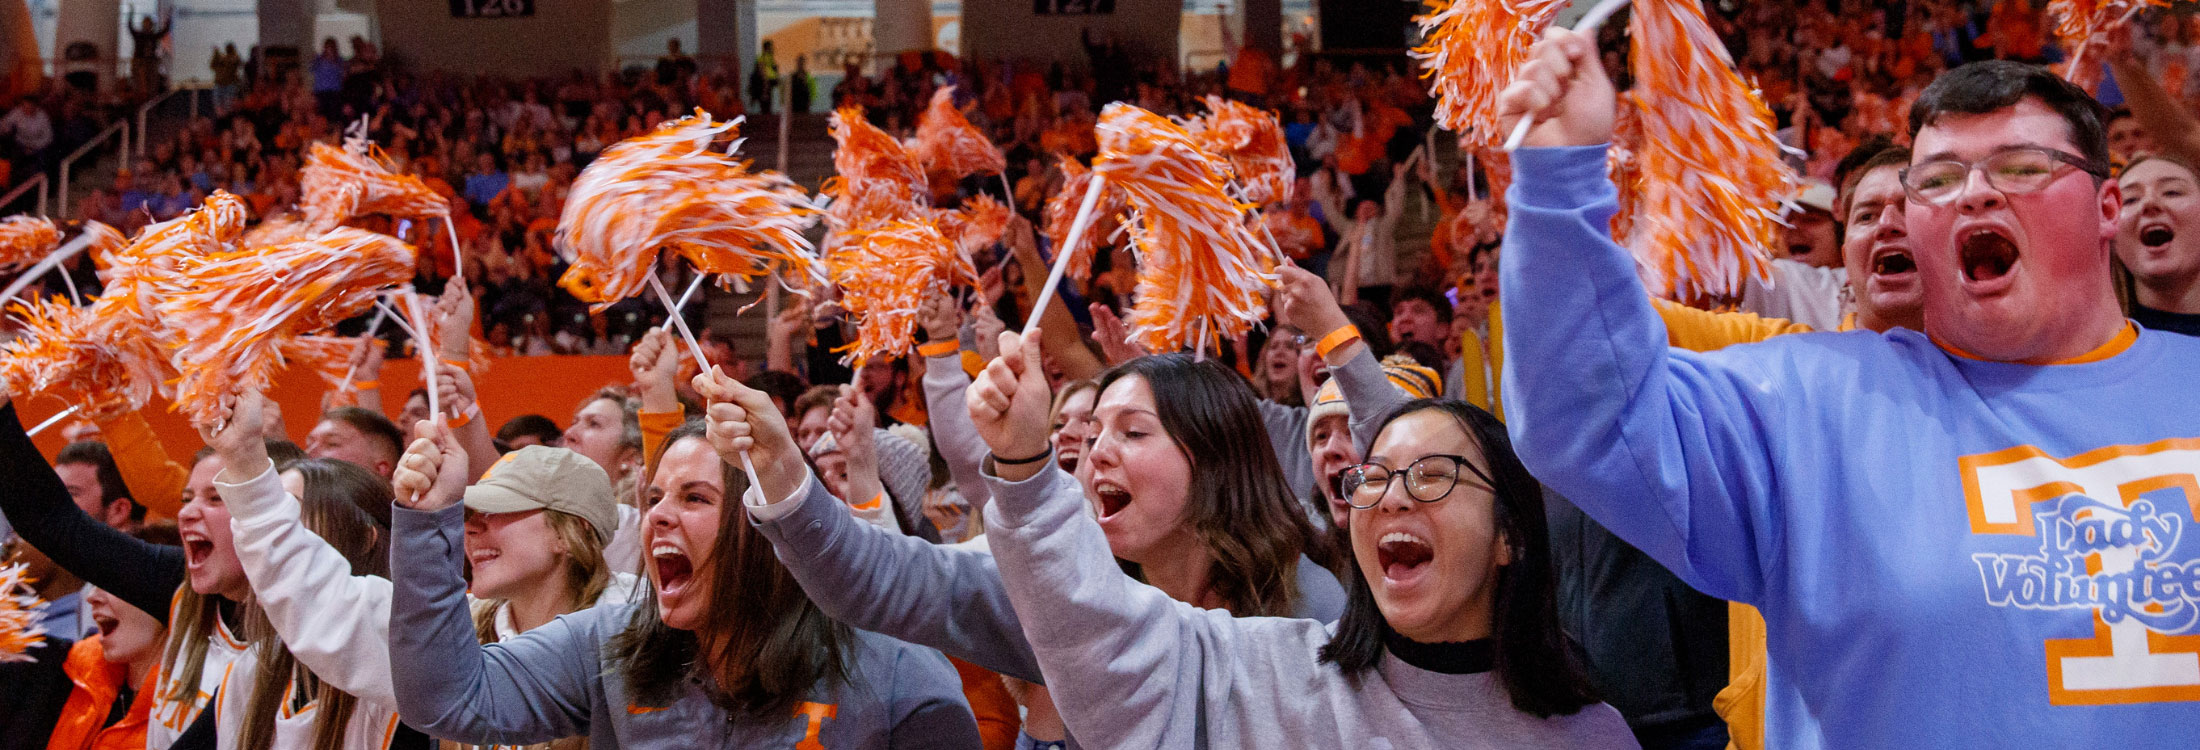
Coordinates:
[1948,552]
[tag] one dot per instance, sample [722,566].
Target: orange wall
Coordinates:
[550,386]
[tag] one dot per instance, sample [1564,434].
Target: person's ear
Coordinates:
[118,512]
[1504,549]
[2111,204]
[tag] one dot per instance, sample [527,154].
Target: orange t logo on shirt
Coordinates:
[816,713]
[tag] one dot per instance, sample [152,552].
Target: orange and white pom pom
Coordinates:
[948,144]
[241,307]
[679,187]
[20,610]
[105,242]
[878,180]
[1714,182]
[1252,139]
[57,354]
[1061,211]
[1472,51]
[25,240]
[2080,22]
[1204,273]
[340,183]
[975,226]
[885,274]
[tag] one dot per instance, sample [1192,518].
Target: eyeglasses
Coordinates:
[1427,480]
[2024,169]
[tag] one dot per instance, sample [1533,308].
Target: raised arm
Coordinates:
[654,363]
[155,479]
[532,688]
[1306,304]
[1656,445]
[1134,667]
[38,506]
[2173,128]
[335,623]
[945,597]
[944,384]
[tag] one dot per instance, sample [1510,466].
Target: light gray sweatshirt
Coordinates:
[947,597]
[1131,668]
[554,681]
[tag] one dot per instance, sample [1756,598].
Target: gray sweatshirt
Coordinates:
[947,597]
[1131,668]
[554,681]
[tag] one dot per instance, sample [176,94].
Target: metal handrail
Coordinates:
[38,181]
[61,199]
[147,108]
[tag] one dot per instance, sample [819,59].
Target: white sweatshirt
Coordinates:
[169,718]
[335,623]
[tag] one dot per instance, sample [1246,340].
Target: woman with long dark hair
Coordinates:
[726,650]
[1451,638]
[1193,504]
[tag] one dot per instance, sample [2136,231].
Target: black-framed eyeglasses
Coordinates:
[1427,480]
[2023,169]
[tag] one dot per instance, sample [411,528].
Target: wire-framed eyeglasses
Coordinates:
[2024,169]
[1427,480]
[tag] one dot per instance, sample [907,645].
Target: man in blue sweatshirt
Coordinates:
[1981,535]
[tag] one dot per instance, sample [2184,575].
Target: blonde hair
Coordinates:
[587,573]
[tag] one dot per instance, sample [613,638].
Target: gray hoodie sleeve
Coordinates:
[1368,395]
[947,597]
[533,688]
[1128,666]
[945,385]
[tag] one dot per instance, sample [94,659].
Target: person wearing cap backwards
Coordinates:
[536,525]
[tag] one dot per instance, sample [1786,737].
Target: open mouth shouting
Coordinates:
[197,550]
[1403,557]
[2156,233]
[1987,256]
[1113,498]
[106,624]
[1893,262]
[674,570]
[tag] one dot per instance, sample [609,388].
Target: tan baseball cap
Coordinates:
[541,477]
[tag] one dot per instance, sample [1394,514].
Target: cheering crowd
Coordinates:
[1923,481]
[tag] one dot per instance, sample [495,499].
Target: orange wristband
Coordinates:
[366,385]
[466,418]
[1335,339]
[939,348]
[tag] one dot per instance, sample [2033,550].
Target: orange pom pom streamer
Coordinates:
[19,613]
[241,307]
[878,180]
[59,353]
[884,274]
[25,240]
[978,224]
[1061,210]
[106,241]
[1252,139]
[947,143]
[1472,51]
[340,183]
[1713,181]
[1203,272]
[674,188]
[2079,22]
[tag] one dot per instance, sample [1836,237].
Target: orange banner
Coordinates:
[551,386]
